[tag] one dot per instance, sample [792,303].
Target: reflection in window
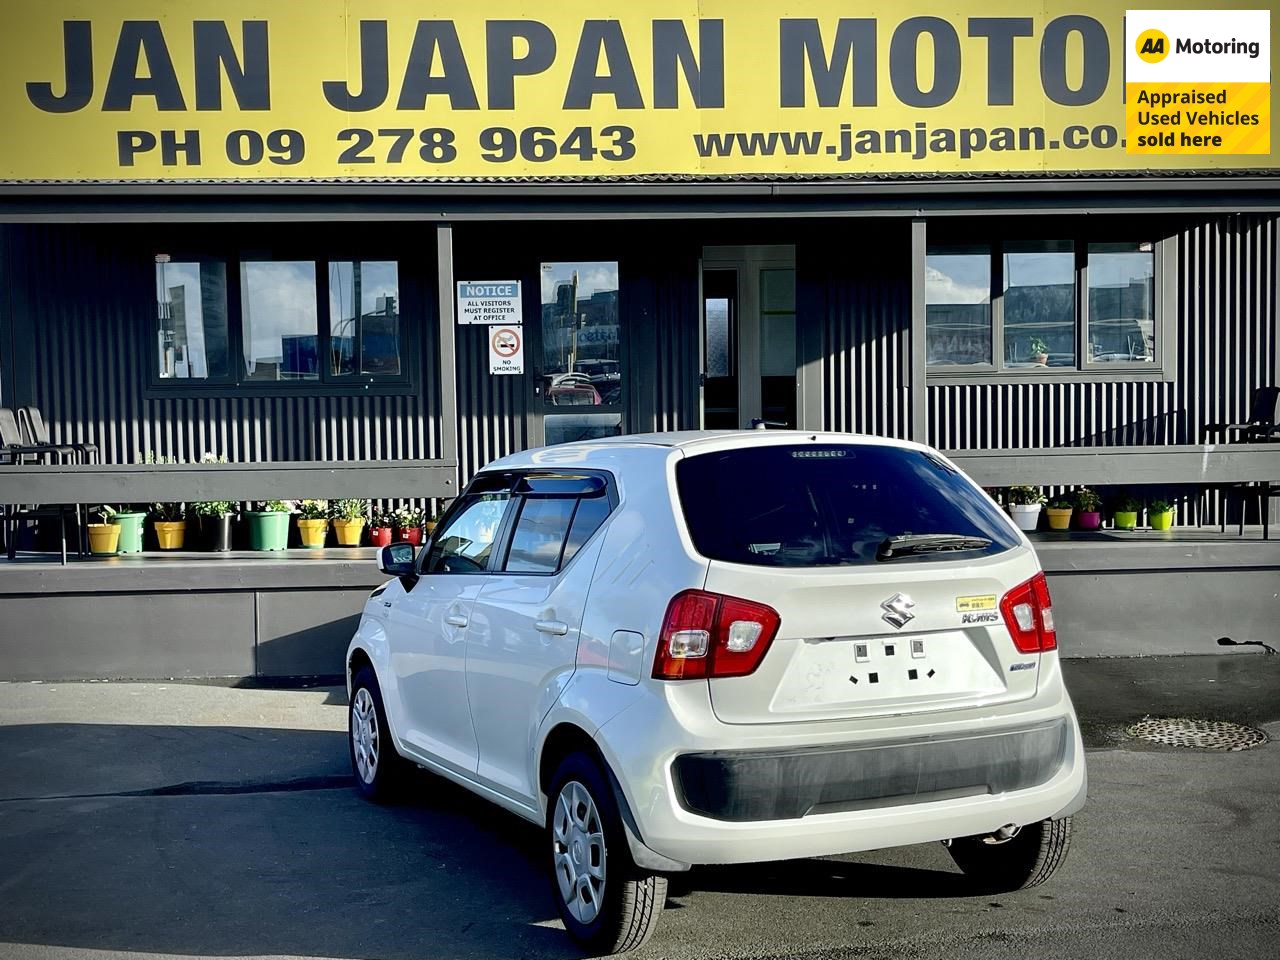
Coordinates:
[591,512]
[366,340]
[464,545]
[281,331]
[1121,302]
[539,535]
[580,334]
[1039,304]
[719,362]
[958,305]
[191,307]
[576,427]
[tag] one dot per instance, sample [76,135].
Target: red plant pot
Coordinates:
[409,535]
[380,536]
[1089,521]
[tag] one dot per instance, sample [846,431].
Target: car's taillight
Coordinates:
[710,635]
[1029,616]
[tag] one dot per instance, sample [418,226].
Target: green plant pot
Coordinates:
[268,529]
[1161,521]
[1126,519]
[130,525]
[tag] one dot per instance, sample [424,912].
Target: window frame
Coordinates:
[412,302]
[1164,320]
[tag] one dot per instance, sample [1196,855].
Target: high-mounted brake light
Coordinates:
[707,635]
[1028,614]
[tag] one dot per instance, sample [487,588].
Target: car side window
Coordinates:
[464,545]
[587,518]
[540,534]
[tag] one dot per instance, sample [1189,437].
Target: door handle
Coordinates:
[557,628]
[456,620]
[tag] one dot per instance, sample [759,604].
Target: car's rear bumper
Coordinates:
[780,802]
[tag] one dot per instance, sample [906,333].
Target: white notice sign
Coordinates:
[489,301]
[506,349]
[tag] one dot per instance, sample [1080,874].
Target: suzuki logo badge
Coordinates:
[897,610]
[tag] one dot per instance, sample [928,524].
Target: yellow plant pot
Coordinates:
[1059,518]
[171,534]
[428,527]
[348,532]
[104,539]
[313,532]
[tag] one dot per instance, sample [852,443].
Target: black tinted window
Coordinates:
[818,506]
[590,514]
[539,535]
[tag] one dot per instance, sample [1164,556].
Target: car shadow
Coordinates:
[827,878]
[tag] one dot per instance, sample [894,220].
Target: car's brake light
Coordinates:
[1029,616]
[707,635]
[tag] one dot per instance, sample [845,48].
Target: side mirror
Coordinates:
[396,560]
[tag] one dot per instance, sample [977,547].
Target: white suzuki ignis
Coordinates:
[698,648]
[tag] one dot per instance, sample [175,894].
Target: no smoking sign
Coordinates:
[506,349]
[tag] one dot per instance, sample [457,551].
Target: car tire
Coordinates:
[607,903]
[1027,859]
[378,769]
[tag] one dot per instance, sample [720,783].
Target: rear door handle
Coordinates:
[556,628]
[456,620]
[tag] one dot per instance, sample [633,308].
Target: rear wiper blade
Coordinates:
[908,544]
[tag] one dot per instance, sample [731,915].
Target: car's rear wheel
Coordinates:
[1026,859]
[607,903]
[379,770]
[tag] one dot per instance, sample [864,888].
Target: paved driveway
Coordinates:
[188,820]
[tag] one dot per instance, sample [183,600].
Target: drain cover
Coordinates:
[1206,734]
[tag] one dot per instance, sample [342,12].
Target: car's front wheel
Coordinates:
[379,770]
[608,905]
[1028,858]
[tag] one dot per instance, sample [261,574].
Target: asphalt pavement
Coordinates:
[174,819]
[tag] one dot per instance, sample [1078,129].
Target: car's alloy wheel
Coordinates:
[578,851]
[379,770]
[365,738]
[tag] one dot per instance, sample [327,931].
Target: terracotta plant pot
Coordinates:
[104,539]
[1125,519]
[1059,518]
[348,532]
[1025,515]
[171,534]
[409,535]
[130,525]
[380,536]
[1089,520]
[313,532]
[268,529]
[1161,521]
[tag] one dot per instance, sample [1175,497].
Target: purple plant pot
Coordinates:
[1089,521]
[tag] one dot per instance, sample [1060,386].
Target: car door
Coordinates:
[523,640]
[427,629]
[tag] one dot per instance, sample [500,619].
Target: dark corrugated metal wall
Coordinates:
[83,303]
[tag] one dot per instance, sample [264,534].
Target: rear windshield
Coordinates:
[833,505]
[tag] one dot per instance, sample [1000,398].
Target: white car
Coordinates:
[697,648]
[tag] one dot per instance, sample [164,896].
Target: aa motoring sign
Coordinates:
[121,90]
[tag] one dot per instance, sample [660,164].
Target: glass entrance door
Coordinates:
[748,336]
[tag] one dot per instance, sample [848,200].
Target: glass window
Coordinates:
[719,358]
[590,514]
[464,545]
[576,427]
[540,535]
[1039,304]
[1121,302]
[778,345]
[191,333]
[364,340]
[957,283]
[280,326]
[829,505]
[581,358]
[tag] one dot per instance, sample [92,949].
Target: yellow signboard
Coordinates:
[314,90]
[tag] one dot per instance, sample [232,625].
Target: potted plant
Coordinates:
[429,525]
[104,537]
[380,528]
[1024,506]
[1059,514]
[1039,351]
[313,523]
[1160,514]
[409,522]
[130,520]
[170,520]
[269,526]
[1125,516]
[213,522]
[348,520]
[1088,507]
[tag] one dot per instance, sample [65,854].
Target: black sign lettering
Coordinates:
[503,64]
[1000,33]
[77,44]
[139,39]
[373,73]
[801,40]
[1053,60]
[703,74]
[430,37]
[250,81]
[903,55]
[620,82]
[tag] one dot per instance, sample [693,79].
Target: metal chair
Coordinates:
[16,448]
[1262,426]
[32,421]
